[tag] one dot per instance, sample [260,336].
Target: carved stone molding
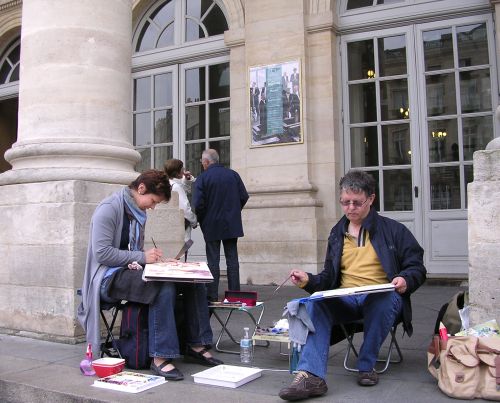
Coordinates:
[4,5]
[319,6]
[282,196]
[320,15]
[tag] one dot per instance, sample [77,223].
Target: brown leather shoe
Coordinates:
[367,378]
[303,386]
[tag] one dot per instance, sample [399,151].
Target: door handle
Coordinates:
[415,189]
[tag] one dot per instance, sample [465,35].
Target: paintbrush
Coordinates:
[282,284]
[156,247]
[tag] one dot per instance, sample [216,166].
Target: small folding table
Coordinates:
[228,310]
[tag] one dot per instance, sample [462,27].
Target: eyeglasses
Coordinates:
[354,203]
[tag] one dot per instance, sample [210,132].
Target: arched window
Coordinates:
[9,63]
[181,100]
[161,26]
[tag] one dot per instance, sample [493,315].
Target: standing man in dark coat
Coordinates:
[218,198]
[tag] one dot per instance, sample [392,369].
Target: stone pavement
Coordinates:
[34,370]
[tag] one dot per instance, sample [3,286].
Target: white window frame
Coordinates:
[405,13]
[182,97]
[479,19]
[410,218]
[175,107]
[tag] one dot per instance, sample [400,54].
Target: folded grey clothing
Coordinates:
[128,285]
[299,322]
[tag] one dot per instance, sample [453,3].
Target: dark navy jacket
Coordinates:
[218,197]
[396,247]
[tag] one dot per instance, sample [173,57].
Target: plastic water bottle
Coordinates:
[246,348]
[86,363]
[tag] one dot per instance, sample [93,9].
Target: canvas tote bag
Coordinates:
[466,367]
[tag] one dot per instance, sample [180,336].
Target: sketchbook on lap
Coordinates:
[342,292]
[193,272]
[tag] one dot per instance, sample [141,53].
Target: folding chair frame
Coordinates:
[110,347]
[386,361]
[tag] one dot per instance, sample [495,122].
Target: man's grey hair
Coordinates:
[211,155]
[358,181]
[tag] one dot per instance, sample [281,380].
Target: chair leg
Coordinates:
[387,360]
[109,347]
[350,348]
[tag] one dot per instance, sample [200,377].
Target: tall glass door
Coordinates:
[379,119]
[418,101]
[457,78]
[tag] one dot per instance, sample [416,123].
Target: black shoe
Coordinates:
[172,375]
[199,358]
[304,385]
[367,378]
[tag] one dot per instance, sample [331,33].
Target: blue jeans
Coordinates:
[233,267]
[163,339]
[379,312]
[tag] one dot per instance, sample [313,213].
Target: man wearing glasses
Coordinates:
[364,248]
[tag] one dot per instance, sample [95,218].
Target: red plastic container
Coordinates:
[108,366]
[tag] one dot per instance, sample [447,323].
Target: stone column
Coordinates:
[74,93]
[484,223]
[74,147]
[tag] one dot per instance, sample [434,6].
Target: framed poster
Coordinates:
[275,104]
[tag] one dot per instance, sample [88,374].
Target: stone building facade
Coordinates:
[92,92]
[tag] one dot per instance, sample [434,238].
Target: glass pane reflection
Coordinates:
[362,103]
[394,99]
[197,8]
[218,81]
[445,188]
[163,90]
[364,146]
[360,59]
[147,38]
[167,37]
[472,43]
[142,129]
[145,162]
[142,93]
[215,22]
[392,55]
[475,91]
[193,31]
[195,122]
[219,119]
[438,49]
[441,96]
[443,141]
[223,148]
[477,133]
[164,14]
[195,85]
[161,155]
[163,126]
[193,157]
[396,147]
[398,190]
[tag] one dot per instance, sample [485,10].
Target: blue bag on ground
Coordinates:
[133,342]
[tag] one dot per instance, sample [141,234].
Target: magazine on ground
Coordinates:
[193,272]
[131,382]
[341,292]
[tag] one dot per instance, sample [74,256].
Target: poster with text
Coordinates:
[275,104]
